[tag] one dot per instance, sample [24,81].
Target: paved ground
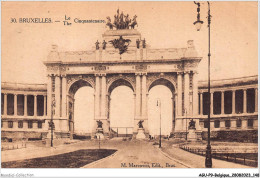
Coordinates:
[137,154]
[130,154]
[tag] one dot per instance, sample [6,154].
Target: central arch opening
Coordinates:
[121,110]
[161,117]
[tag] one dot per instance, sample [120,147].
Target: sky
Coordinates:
[234,34]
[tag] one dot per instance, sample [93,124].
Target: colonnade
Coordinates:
[25,104]
[245,103]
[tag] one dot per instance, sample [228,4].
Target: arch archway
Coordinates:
[81,107]
[163,90]
[121,107]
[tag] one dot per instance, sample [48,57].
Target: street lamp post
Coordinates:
[186,126]
[52,123]
[159,105]
[198,23]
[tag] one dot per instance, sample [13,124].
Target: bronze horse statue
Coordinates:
[133,23]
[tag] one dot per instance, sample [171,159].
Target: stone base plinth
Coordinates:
[100,136]
[140,134]
[192,135]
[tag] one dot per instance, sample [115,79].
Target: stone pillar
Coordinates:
[64,96]
[233,101]
[245,102]
[138,55]
[97,98]
[15,104]
[57,95]
[138,97]
[144,54]
[5,104]
[144,97]
[222,102]
[103,96]
[49,96]
[44,105]
[195,94]
[179,94]
[35,106]
[211,103]
[256,99]
[201,103]
[25,105]
[186,91]
[97,55]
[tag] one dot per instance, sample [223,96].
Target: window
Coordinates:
[250,122]
[20,124]
[239,123]
[216,123]
[30,124]
[206,124]
[227,123]
[39,124]
[10,124]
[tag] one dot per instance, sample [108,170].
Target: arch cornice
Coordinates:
[87,78]
[129,78]
[151,78]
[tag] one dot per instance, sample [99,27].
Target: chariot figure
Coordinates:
[109,24]
[127,21]
[134,22]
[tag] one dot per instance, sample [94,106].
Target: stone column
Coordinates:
[103,96]
[195,94]
[25,105]
[35,106]
[138,55]
[138,97]
[57,95]
[211,102]
[64,96]
[44,105]
[97,98]
[144,97]
[5,104]
[186,91]
[256,99]
[179,94]
[49,96]
[245,102]
[233,101]
[222,102]
[15,104]
[201,103]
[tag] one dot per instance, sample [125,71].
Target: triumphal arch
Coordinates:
[123,57]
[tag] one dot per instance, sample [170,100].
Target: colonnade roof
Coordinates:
[230,82]
[23,86]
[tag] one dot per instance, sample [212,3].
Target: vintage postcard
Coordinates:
[129,85]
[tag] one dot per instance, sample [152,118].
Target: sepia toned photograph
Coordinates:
[130,85]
